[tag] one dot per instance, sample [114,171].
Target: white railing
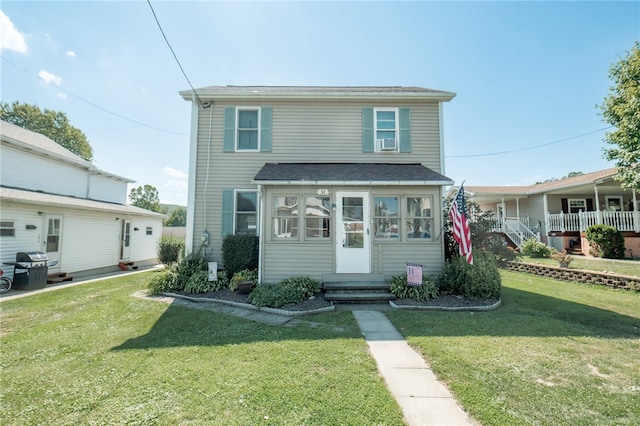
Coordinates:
[516,229]
[567,222]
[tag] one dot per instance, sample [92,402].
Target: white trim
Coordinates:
[237,129]
[569,200]
[441,134]
[356,182]
[377,143]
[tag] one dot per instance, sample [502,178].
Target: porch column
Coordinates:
[636,213]
[598,212]
[504,216]
[545,208]
[518,208]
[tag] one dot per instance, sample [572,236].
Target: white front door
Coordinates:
[125,240]
[53,240]
[352,239]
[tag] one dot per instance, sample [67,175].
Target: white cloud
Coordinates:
[71,54]
[50,78]
[174,173]
[179,184]
[11,38]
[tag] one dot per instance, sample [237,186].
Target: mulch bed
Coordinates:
[319,302]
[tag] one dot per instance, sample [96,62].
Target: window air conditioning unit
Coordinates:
[387,144]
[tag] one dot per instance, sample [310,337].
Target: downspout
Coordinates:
[636,214]
[260,234]
[545,207]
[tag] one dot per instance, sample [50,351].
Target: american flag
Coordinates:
[460,221]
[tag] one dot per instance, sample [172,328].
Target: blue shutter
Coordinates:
[229,144]
[405,129]
[367,130]
[227,212]
[265,129]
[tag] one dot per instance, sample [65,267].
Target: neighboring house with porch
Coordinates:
[55,202]
[560,211]
[336,181]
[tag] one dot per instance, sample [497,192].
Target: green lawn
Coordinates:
[92,354]
[622,267]
[554,353]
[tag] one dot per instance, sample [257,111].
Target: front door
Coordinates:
[352,239]
[53,240]
[125,247]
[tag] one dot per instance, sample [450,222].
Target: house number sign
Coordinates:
[323,191]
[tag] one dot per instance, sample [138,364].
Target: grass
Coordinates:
[92,354]
[622,267]
[553,353]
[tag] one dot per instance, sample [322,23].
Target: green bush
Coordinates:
[198,283]
[170,249]
[275,295]
[163,281]
[309,286]
[535,248]
[239,252]
[480,280]
[400,288]
[605,241]
[176,276]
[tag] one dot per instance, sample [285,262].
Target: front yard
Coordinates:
[553,353]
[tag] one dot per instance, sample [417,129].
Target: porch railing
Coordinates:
[568,222]
[516,229]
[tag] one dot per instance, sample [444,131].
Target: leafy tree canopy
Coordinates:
[178,217]
[621,109]
[145,197]
[53,124]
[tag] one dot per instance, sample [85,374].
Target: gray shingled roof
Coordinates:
[214,92]
[350,173]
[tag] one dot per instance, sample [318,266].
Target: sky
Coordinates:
[528,75]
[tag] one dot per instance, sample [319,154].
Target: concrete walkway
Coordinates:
[423,399]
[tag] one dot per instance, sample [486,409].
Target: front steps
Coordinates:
[356,288]
[58,277]
[127,266]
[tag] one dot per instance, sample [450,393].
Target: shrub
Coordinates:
[480,280]
[198,283]
[239,252]
[275,295]
[563,258]
[400,288]
[163,281]
[170,249]
[605,241]
[309,286]
[244,275]
[222,282]
[535,248]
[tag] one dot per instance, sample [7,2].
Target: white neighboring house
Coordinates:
[53,201]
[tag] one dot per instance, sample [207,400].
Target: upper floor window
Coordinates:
[386,129]
[7,228]
[248,136]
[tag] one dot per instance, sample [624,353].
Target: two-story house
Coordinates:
[55,202]
[334,180]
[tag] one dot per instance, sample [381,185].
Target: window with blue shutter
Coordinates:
[247,129]
[367,130]
[227,212]
[265,129]
[405,129]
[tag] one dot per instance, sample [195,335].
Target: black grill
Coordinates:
[30,270]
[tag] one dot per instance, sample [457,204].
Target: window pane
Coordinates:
[355,240]
[285,206]
[248,139]
[52,243]
[352,209]
[419,228]
[318,228]
[386,206]
[386,228]
[318,217]
[248,119]
[285,227]
[246,201]
[386,115]
[246,223]
[385,135]
[419,207]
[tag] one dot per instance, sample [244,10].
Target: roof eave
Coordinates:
[313,182]
[188,95]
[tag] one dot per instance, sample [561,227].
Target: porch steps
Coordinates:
[127,266]
[356,288]
[58,277]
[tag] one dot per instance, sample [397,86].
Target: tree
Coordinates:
[178,217]
[621,109]
[145,197]
[53,124]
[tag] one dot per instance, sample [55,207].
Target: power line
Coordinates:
[96,105]
[174,54]
[528,147]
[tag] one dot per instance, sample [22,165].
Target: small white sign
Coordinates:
[323,191]
[213,271]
